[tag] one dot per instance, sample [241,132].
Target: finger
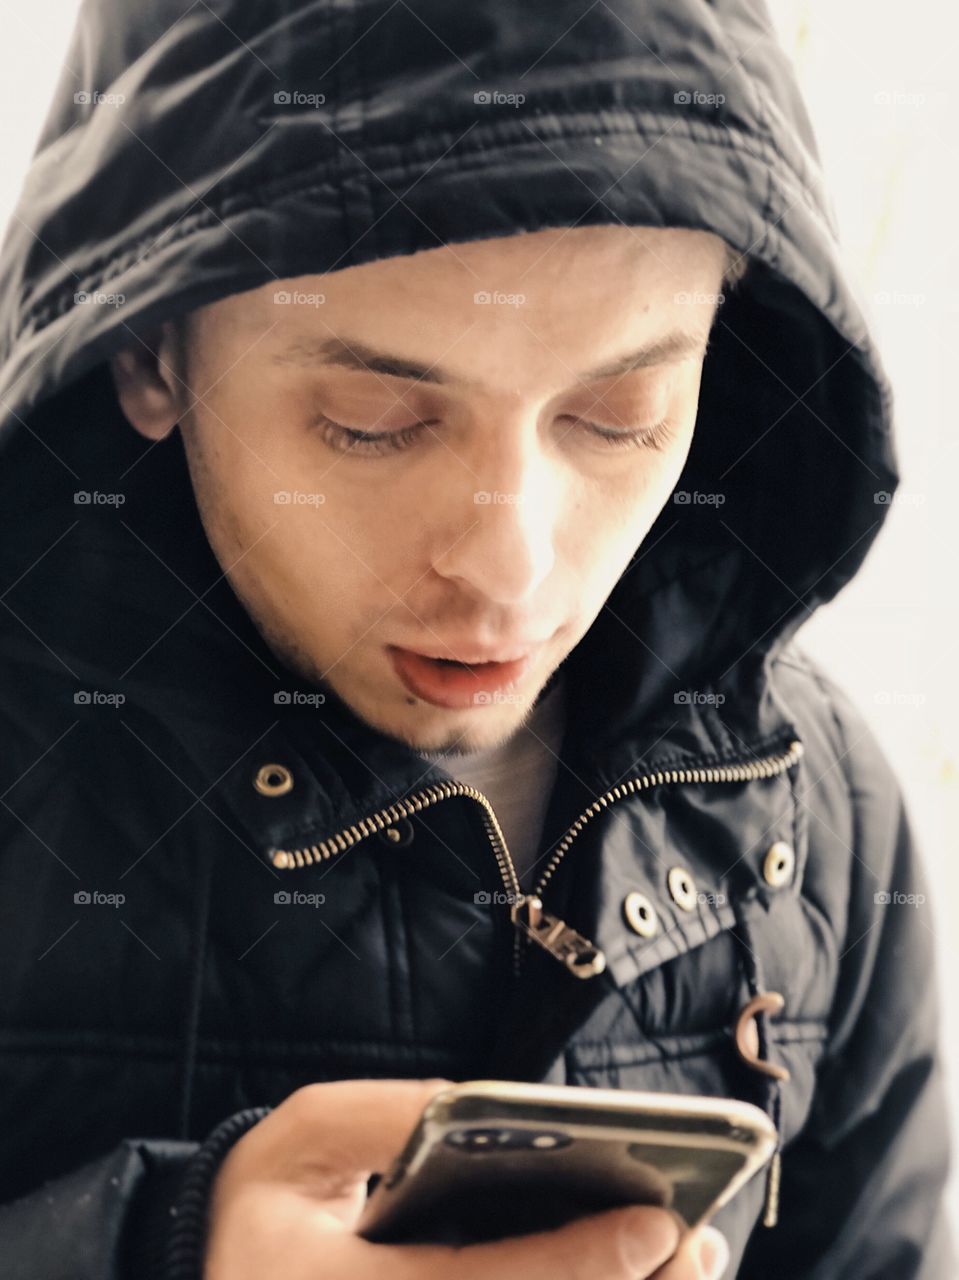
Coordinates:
[619,1244]
[702,1255]
[356,1127]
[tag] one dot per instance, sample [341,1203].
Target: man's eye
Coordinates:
[656,437]
[379,443]
[367,443]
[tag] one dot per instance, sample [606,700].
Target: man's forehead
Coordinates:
[345,352]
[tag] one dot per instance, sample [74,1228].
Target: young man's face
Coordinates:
[486,513]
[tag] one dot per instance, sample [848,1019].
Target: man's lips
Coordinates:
[456,685]
[473,655]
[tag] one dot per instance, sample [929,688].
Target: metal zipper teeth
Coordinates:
[767,767]
[288,859]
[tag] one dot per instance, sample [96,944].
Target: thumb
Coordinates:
[354,1127]
[617,1244]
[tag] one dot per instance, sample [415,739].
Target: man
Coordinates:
[410,514]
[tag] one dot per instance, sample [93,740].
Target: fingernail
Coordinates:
[713,1253]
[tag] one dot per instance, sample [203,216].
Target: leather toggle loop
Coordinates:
[747,1036]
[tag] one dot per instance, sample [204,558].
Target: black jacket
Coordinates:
[138,1038]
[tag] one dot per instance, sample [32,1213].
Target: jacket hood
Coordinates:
[193,151]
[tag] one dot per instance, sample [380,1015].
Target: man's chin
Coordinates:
[427,729]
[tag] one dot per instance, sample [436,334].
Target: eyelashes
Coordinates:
[656,437]
[382,443]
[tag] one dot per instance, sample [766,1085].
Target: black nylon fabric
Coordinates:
[127,1039]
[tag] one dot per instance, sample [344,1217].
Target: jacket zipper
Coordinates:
[527,913]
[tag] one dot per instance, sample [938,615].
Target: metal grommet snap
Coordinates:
[398,834]
[273,780]
[682,888]
[779,863]
[640,914]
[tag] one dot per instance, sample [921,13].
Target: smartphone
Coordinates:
[495,1158]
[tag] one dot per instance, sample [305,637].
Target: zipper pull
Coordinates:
[577,953]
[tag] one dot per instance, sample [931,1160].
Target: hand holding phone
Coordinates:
[289,1194]
[495,1158]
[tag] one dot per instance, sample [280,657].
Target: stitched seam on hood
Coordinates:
[246,200]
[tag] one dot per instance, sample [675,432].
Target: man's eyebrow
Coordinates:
[346,353]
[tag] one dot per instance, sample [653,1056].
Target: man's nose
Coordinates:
[502,541]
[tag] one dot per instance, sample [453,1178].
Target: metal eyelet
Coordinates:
[778,864]
[398,834]
[273,780]
[682,888]
[640,914]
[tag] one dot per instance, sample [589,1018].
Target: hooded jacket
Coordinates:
[723,824]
